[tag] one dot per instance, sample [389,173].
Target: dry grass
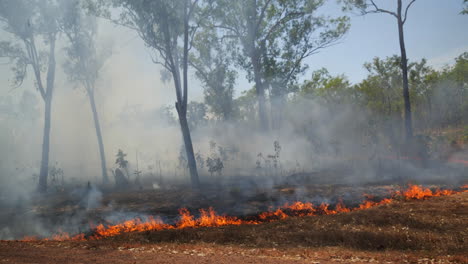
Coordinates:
[428,231]
[439,225]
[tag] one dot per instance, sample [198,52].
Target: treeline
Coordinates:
[268,40]
[439,96]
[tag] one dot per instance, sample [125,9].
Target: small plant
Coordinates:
[56,175]
[200,160]
[271,160]
[121,161]
[137,172]
[215,161]
[275,157]
[215,165]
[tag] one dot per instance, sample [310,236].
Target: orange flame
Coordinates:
[209,218]
[418,192]
[134,225]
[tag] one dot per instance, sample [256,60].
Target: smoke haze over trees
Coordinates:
[153,77]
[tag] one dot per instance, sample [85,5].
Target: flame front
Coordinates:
[418,192]
[209,218]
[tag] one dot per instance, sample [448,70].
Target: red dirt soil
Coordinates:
[423,231]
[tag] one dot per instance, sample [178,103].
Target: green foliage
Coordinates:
[215,165]
[121,161]
[84,61]
[270,40]
[331,89]
[56,175]
[196,114]
[29,22]
[17,58]
[20,17]
[460,71]
[452,93]
[245,105]
[200,160]
[272,161]
[382,89]
[214,69]
[439,97]
[214,162]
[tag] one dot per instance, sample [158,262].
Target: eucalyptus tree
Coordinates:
[33,26]
[453,94]
[401,15]
[274,37]
[335,91]
[214,69]
[380,90]
[84,62]
[168,28]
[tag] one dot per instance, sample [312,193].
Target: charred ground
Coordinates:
[414,231]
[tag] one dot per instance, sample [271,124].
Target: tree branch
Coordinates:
[406,11]
[203,74]
[379,10]
[235,31]
[262,15]
[280,21]
[31,47]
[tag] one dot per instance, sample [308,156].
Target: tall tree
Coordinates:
[456,88]
[83,61]
[30,21]
[333,90]
[274,36]
[381,89]
[214,69]
[196,114]
[465,9]
[168,28]
[401,14]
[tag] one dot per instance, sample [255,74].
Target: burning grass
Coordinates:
[436,226]
[209,218]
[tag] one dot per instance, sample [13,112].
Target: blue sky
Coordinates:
[434,30]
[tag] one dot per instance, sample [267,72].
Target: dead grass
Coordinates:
[428,231]
[438,225]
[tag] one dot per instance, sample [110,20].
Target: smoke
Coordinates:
[320,143]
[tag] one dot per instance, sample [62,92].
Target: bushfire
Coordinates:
[209,218]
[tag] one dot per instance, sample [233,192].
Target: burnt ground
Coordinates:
[421,231]
[73,208]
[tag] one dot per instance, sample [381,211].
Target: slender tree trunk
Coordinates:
[97,126]
[181,105]
[42,187]
[260,91]
[44,171]
[278,102]
[254,53]
[182,98]
[188,148]
[275,113]
[404,69]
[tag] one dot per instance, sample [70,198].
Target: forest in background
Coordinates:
[281,125]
